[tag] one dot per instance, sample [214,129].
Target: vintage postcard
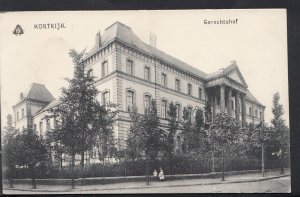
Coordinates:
[164,101]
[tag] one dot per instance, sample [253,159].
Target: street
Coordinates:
[276,185]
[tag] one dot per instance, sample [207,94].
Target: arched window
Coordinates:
[189,89]
[105,98]
[260,115]
[256,113]
[190,110]
[177,85]
[250,111]
[164,109]
[178,112]
[104,69]
[130,99]
[48,124]
[147,103]
[18,117]
[90,73]
[147,73]
[41,128]
[164,80]
[22,113]
[199,93]
[129,67]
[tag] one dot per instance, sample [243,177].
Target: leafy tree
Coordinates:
[105,117]
[186,130]
[223,131]
[281,131]
[149,138]
[208,114]
[170,133]
[10,153]
[77,112]
[133,148]
[261,138]
[31,151]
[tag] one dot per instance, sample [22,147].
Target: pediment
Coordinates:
[236,75]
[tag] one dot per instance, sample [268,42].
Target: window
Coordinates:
[164,80]
[34,127]
[189,89]
[199,93]
[130,95]
[104,69]
[232,105]
[178,111]
[147,103]
[105,98]
[260,115]
[90,73]
[22,113]
[164,109]
[190,113]
[41,128]
[147,73]
[256,113]
[129,67]
[18,116]
[177,85]
[250,111]
[48,124]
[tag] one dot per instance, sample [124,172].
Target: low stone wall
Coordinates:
[110,180]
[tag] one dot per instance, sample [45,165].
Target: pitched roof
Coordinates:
[124,33]
[37,92]
[53,103]
[250,97]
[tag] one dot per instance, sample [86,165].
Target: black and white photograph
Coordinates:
[145,101]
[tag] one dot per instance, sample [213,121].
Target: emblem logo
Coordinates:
[18,30]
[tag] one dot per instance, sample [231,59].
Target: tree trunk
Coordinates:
[73,166]
[33,177]
[103,166]
[281,161]
[262,160]
[82,163]
[11,178]
[223,165]
[61,162]
[213,159]
[147,171]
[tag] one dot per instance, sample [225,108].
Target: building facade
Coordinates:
[129,72]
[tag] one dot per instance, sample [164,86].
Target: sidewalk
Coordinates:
[141,185]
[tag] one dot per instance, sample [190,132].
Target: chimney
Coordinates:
[21,95]
[98,43]
[152,39]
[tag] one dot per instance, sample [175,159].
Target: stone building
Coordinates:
[130,72]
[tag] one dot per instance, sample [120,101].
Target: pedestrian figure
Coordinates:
[155,174]
[161,175]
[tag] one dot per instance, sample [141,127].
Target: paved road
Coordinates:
[278,185]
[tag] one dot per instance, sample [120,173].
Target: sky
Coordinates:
[258,43]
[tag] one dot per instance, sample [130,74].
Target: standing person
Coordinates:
[161,175]
[155,174]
